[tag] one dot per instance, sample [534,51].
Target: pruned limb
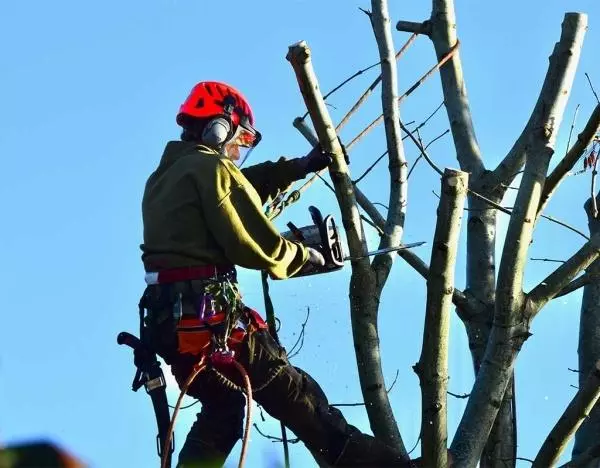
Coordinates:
[301,125]
[555,92]
[415,28]
[432,368]
[398,167]
[362,281]
[563,275]
[576,412]
[510,327]
[370,89]
[573,155]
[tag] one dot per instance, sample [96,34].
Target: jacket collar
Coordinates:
[175,149]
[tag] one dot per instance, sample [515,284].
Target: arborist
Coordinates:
[202,216]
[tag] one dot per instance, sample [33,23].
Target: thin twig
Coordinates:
[416,445]
[593,188]
[325,182]
[381,204]
[370,89]
[273,438]
[574,370]
[571,130]
[346,81]
[561,223]
[300,341]
[456,395]
[423,151]
[372,224]
[422,124]
[481,197]
[546,260]
[435,68]
[592,86]
[517,458]
[370,168]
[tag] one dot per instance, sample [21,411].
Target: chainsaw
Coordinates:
[324,236]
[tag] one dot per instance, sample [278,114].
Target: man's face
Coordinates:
[232,151]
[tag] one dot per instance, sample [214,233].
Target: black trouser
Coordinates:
[284,391]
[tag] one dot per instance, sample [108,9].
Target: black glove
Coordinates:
[315,160]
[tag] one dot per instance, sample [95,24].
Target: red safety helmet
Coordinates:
[213,100]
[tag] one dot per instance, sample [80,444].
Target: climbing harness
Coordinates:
[218,324]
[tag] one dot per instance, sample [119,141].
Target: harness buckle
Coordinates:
[153,384]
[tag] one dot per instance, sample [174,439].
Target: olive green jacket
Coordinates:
[200,209]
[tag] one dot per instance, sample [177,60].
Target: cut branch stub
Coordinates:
[432,368]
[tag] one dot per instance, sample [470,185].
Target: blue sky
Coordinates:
[89,96]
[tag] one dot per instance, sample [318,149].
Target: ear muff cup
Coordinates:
[217,132]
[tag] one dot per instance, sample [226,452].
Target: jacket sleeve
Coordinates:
[235,217]
[271,178]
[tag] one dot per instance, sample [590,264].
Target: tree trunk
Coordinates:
[589,343]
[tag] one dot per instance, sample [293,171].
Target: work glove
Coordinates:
[315,160]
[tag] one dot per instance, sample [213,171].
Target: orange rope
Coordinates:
[167,448]
[248,411]
[248,387]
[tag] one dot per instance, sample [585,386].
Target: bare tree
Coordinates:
[496,311]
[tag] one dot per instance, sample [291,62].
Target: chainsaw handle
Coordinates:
[125,338]
[317,217]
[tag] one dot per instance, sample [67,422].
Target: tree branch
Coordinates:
[568,162]
[415,28]
[584,460]
[362,281]
[465,308]
[557,281]
[432,368]
[370,89]
[443,36]
[398,167]
[375,122]
[555,91]
[510,330]
[592,87]
[579,408]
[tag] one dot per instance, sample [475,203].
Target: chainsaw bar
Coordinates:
[386,250]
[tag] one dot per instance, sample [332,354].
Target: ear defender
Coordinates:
[217,132]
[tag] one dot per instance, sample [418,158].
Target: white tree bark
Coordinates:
[510,327]
[363,303]
[432,367]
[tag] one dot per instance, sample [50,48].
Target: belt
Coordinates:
[174,275]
